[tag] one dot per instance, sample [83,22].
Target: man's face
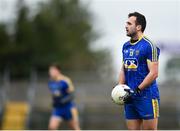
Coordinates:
[53,72]
[131,27]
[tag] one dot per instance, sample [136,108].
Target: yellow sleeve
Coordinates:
[70,83]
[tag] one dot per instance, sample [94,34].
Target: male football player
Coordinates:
[139,72]
[64,108]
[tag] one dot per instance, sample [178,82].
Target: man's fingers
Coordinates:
[127,90]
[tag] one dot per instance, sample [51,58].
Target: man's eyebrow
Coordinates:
[128,22]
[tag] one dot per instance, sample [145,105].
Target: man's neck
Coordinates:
[137,36]
[58,78]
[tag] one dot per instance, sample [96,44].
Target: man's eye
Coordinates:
[129,23]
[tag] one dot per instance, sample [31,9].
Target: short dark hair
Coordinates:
[56,65]
[140,19]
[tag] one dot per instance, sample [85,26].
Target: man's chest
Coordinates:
[133,56]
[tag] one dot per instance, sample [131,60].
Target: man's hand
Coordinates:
[137,90]
[130,93]
[128,97]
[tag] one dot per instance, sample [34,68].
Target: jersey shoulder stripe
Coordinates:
[153,48]
[70,83]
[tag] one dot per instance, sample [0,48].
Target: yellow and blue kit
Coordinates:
[135,59]
[62,105]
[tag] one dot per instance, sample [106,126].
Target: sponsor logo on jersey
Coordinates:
[131,64]
[125,51]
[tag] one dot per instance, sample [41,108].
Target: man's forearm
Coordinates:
[67,98]
[121,77]
[148,80]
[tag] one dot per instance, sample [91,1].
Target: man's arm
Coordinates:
[68,98]
[70,91]
[122,76]
[71,85]
[152,75]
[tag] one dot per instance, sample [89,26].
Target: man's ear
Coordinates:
[138,27]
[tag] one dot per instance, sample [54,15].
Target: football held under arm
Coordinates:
[152,62]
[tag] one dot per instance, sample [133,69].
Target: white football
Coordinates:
[118,94]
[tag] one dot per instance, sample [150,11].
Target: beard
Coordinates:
[131,34]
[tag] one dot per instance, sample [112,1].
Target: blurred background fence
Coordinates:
[92,98]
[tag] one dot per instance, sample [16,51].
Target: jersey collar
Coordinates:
[140,38]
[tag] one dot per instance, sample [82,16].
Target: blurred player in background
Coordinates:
[62,91]
[139,72]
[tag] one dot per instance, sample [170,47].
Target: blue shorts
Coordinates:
[64,112]
[142,109]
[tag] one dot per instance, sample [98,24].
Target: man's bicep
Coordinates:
[153,66]
[71,86]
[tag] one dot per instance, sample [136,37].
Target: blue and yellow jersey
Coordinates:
[135,59]
[60,89]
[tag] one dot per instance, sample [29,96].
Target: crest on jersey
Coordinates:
[137,52]
[131,64]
